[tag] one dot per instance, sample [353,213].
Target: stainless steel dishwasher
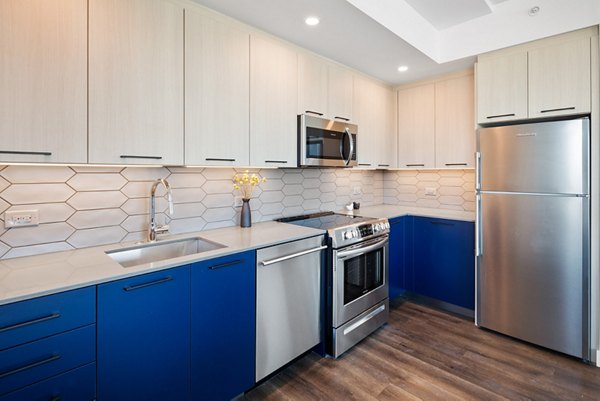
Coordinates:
[288,302]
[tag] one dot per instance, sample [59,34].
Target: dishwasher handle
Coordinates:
[292,256]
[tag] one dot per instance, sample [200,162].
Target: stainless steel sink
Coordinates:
[163,250]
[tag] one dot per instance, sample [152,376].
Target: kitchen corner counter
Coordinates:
[391,211]
[34,276]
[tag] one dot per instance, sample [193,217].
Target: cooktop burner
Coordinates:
[324,220]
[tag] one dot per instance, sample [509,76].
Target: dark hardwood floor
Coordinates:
[425,354]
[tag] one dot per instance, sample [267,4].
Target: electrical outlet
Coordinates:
[356,191]
[430,191]
[21,218]
[237,201]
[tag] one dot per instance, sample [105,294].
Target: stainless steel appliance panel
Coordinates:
[547,157]
[288,302]
[531,267]
[324,142]
[346,336]
[377,250]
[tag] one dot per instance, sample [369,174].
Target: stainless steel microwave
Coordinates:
[323,142]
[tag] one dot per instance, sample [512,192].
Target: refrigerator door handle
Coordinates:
[477,170]
[478,228]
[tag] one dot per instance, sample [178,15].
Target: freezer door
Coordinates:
[532,269]
[548,157]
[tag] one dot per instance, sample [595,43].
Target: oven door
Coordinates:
[360,278]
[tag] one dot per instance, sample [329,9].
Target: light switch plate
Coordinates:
[430,191]
[21,218]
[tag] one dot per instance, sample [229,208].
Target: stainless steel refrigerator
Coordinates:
[533,233]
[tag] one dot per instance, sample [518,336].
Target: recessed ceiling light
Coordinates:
[312,21]
[403,68]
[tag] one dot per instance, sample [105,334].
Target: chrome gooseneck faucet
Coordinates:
[154,229]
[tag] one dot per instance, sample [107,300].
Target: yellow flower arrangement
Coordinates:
[246,183]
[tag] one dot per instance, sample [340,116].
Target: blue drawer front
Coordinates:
[36,318]
[26,364]
[75,385]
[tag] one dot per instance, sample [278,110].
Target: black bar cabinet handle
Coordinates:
[140,157]
[137,287]
[559,109]
[341,118]
[456,164]
[227,264]
[313,112]
[29,322]
[276,161]
[364,164]
[216,159]
[415,165]
[384,165]
[30,366]
[18,152]
[502,115]
[440,223]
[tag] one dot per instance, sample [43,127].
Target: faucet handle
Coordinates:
[162,229]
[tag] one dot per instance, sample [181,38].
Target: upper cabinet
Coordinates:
[43,81]
[341,88]
[324,89]
[135,82]
[217,92]
[502,88]
[375,114]
[455,123]
[436,123]
[547,78]
[559,79]
[416,127]
[273,103]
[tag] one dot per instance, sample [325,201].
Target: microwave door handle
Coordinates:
[351,146]
[342,147]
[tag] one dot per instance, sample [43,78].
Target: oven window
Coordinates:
[363,274]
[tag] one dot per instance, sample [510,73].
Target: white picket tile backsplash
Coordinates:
[87,206]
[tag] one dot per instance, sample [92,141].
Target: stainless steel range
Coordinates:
[357,276]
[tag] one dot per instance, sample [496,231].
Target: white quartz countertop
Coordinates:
[391,211]
[34,276]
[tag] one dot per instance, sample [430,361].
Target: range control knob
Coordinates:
[348,234]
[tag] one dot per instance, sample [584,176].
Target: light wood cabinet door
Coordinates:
[273,103]
[502,88]
[559,79]
[374,113]
[43,81]
[416,127]
[454,123]
[340,93]
[217,90]
[135,82]
[312,86]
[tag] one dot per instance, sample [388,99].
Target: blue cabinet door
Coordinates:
[144,337]
[444,260]
[397,255]
[223,326]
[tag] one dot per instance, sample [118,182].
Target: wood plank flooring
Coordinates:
[425,354]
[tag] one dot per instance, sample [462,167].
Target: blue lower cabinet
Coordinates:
[144,337]
[75,385]
[29,363]
[443,260]
[223,327]
[397,255]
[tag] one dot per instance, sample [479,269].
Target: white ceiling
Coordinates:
[434,37]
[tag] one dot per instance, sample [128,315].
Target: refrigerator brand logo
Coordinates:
[528,134]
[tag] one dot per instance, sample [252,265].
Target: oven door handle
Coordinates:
[370,246]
